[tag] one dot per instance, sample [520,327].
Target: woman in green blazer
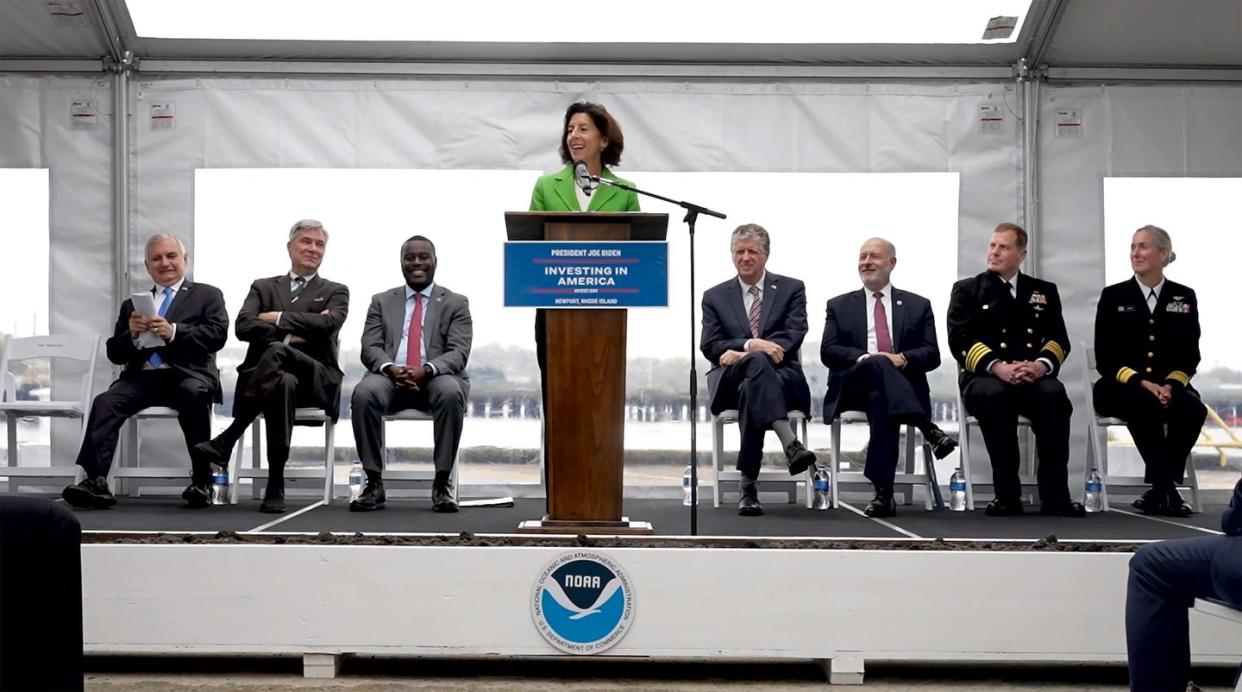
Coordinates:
[592,135]
[589,134]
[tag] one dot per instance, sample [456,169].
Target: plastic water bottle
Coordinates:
[220,486]
[822,483]
[957,491]
[1094,499]
[356,480]
[685,486]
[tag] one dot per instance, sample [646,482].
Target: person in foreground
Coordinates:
[1146,351]
[879,344]
[1009,338]
[753,327]
[291,322]
[591,135]
[1165,579]
[181,374]
[415,345]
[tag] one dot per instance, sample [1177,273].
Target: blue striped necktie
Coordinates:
[155,359]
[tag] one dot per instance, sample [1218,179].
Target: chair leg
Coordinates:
[11,420]
[810,473]
[257,483]
[1193,480]
[717,453]
[836,461]
[935,501]
[235,477]
[129,455]
[1100,444]
[329,462]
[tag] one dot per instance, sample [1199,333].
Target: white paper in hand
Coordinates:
[144,304]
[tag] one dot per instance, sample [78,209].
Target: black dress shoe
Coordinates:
[371,498]
[92,493]
[882,505]
[941,444]
[800,458]
[1175,506]
[1062,509]
[1004,508]
[273,500]
[748,505]
[1152,501]
[442,499]
[210,453]
[198,496]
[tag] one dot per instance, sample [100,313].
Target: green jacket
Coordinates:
[555,192]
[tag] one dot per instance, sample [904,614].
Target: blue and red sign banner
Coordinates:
[599,274]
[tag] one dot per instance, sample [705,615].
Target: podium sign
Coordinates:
[586,274]
[584,416]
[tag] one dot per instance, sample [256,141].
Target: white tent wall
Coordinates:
[1171,131]
[239,122]
[36,132]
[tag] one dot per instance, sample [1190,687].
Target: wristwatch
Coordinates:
[429,370]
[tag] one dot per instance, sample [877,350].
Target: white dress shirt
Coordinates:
[157,294]
[403,348]
[1147,290]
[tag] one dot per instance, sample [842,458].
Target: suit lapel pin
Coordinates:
[899,302]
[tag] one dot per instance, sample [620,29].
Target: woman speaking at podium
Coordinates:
[592,136]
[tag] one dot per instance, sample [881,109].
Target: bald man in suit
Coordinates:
[415,346]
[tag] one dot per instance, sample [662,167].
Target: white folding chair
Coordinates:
[258,474]
[1097,446]
[412,477]
[1030,459]
[81,349]
[721,474]
[127,472]
[932,499]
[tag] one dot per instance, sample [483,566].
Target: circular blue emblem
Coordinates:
[582,603]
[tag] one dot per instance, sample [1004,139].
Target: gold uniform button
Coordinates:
[1150,354]
[1004,331]
[1004,345]
[1030,331]
[1151,321]
[1148,369]
[1152,337]
[1030,346]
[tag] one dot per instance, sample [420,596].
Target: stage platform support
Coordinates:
[840,607]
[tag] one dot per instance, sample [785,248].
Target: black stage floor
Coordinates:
[668,516]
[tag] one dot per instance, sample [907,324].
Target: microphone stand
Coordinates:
[692,215]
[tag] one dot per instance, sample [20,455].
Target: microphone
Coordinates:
[582,176]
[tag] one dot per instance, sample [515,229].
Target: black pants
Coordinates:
[376,395]
[764,395]
[280,383]
[135,391]
[877,387]
[997,405]
[1164,435]
[40,595]
[1165,579]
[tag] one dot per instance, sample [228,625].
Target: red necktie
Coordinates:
[882,340]
[414,338]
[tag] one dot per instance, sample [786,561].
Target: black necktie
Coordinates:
[1009,289]
[299,285]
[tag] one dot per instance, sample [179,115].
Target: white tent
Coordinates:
[1154,88]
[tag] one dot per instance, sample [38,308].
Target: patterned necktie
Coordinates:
[883,343]
[299,285]
[1151,300]
[756,306]
[414,338]
[155,359]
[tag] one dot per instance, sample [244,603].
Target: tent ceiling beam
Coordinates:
[657,71]
[51,66]
[1096,75]
[1045,29]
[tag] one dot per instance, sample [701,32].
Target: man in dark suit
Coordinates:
[879,344]
[180,373]
[753,327]
[1165,579]
[415,346]
[1009,338]
[291,322]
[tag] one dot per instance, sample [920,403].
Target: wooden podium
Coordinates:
[585,410]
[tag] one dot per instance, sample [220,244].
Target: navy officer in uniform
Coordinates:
[1008,336]
[1146,350]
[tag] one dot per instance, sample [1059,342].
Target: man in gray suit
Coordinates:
[415,345]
